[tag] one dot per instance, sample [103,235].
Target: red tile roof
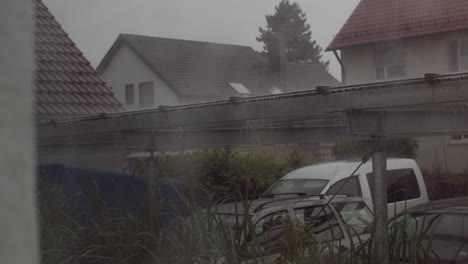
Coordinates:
[66,85]
[381,20]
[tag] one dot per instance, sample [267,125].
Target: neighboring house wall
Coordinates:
[428,54]
[127,69]
[443,153]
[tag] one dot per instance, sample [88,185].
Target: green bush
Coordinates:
[401,148]
[227,173]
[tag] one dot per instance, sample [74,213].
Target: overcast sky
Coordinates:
[95,24]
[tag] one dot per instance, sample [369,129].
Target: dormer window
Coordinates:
[275,90]
[240,88]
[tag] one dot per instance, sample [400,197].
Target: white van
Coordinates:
[406,187]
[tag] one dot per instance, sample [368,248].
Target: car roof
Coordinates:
[341,169]
[260,206]
[452,205]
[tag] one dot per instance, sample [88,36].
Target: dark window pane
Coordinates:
[129,94]
[453,56]
[348,186]
[401,185]
[380,73]
[456,137]
[146,94]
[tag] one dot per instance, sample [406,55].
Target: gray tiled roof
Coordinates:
[65,83]
[303,76]
[196,68]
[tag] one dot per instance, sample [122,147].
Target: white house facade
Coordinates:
[389,40]
[134,84]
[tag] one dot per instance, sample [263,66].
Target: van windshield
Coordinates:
[307,186]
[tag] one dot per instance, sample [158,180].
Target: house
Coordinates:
[147,72]
[398,39]
[65,84]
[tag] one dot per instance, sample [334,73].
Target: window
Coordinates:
[307,186]
[458,55]
[240,88]
[402,185]
[146,94]
[129,94]
[459,138]
[275,90]
[320,222]
[351,187]
[389,64]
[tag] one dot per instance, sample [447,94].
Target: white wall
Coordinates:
[428,54]
[126,68]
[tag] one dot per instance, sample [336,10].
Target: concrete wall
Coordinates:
[428,54]
[126,68]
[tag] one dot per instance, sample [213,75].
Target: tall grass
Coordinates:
[69,236]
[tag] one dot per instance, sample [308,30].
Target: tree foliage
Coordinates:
[400,148]
[291,20]
[226,173]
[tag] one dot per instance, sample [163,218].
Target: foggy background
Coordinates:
[95,24]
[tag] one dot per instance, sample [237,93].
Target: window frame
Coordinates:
[126,99]
[385,65]
[140,93]
[459,63]
[463,139]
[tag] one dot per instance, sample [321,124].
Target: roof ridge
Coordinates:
[185,40]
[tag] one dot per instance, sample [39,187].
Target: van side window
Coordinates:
[347,186]
[402,185]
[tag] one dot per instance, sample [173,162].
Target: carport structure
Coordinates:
[428,106]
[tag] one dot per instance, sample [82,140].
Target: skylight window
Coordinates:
[240,88]
[275,90]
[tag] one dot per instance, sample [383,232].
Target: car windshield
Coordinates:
[307,186]
[444,236]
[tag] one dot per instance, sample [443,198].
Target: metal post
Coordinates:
[153,193]
[152,173]
[379,167]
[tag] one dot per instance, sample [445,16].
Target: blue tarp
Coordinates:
[115,189]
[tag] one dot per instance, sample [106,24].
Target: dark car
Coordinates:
[436,233]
